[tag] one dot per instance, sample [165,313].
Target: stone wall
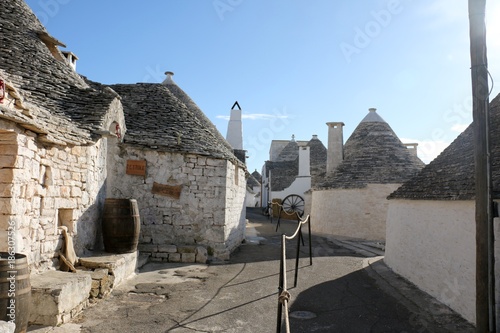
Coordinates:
[208,211]
[235,212]
[44,187]
[355,213]
[432,244]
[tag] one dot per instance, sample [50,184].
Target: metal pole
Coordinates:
[297,256]
[485,315]
[310,241]
[280,288]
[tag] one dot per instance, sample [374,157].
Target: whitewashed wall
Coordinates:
[252,200]
[356,213]
[235,211]
[299,186]
[432,244]
[209,212]
[43,187]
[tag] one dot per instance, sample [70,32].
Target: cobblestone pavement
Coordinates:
[347,289]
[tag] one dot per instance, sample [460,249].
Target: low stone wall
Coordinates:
[174,253]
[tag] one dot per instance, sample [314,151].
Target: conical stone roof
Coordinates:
[286,167]
[155,118]
[373,154]
[257,176]
[289,153]
[58,103]
[450,176]
[193,107]
[318,154]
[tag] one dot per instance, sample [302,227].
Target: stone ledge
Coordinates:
[173,253]
[121,266]
[57,297]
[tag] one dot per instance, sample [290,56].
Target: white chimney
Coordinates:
[168,79]
[304,162]
[234,128]
[335,154]
[71,59]
[412,147]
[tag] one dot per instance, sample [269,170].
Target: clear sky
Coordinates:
[292,65]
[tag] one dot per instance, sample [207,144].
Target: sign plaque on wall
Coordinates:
[167,190]
[136,167]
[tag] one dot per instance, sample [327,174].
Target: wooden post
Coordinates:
[485,314]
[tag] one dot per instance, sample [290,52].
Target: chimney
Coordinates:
[335,153]
[304,162]
[412,147]
[168,79]
[234,128]
[71,59]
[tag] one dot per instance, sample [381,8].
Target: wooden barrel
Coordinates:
[121,225]
[15,290]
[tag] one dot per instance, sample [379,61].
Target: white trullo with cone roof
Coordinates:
[351,199]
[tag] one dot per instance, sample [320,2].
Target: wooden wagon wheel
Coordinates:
[293,204]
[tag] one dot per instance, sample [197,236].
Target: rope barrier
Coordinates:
[284,296]
[301,222]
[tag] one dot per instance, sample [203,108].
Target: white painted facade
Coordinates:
[299,186]
[432,244]
[302,182]
[234,130]
[253,197]
[354,213]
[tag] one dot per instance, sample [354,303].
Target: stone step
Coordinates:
[121,266]
[57,297]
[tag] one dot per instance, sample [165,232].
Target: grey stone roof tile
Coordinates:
[289,153]
[257,176]
[58,101]
[373,154]
[156,118]
[283,173]
[318,154]
[451,175]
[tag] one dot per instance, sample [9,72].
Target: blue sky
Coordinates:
[292,65]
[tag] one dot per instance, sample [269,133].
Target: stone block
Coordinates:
[148,248]
[8,149]
[55,294]
[8,161]
[167,248]
[201,255]
[160,255]
[120,266]
[174,257]
[76,192]
[188,257]
[186,249]
[8,136]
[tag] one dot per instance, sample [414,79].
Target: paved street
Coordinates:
[347,289]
